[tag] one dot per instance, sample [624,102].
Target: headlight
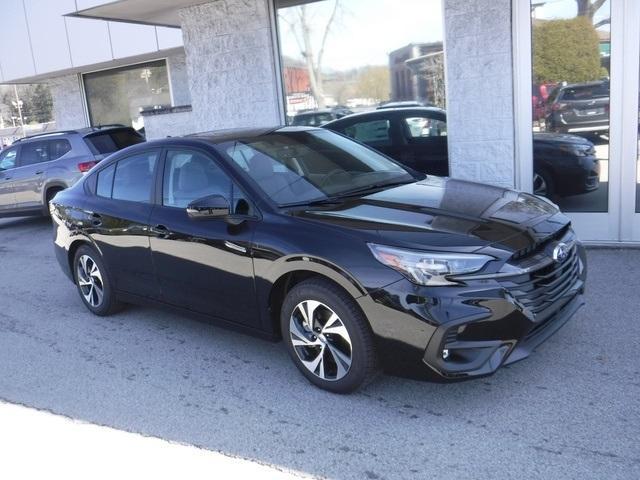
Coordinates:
[426,268]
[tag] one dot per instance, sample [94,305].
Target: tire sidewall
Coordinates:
[358,328]
[108,297]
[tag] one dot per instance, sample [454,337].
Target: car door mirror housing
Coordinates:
[212,206]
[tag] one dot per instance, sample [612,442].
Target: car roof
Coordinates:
[594,83]
[221,136]
[384,112]
[81,131]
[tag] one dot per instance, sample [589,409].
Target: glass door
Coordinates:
[575,97]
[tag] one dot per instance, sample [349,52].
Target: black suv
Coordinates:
[306,235]
[578,108]
[35,168]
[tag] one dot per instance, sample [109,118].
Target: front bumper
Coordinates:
[467,331]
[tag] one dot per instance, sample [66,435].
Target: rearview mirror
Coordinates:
[212,206]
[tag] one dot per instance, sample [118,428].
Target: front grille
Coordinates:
[540,289]
[536,247]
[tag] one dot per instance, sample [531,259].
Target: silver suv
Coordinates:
[35,168]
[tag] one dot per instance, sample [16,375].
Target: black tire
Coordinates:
[363,365]
[549,183]
[50,194]
[108,303]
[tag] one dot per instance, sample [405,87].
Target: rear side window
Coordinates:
[112,141]
[133,178]
[34,152]
[374,132]
[58,148]
[105,181]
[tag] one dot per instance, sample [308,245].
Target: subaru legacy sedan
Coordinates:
[302,234]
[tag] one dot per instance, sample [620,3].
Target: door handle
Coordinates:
[39,172]
[96,220]
[161,231]
[235,247]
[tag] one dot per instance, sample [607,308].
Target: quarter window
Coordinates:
[105,181]
[133,179]
[8,159]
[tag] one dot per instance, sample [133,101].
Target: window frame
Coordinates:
[220,163]
[93,188]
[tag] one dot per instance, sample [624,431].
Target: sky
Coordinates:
[367,30]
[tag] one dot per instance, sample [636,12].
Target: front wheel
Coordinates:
[93,282]
[327,336]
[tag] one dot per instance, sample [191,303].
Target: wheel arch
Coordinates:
[297,270]
[75,245]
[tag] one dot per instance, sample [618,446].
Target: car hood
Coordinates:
[446,214]
[557,138]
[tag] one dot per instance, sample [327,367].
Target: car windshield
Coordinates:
[297,168]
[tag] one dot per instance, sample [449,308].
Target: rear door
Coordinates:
[8,163]
[119,214]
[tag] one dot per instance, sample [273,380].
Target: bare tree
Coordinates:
[302,31]
[589,8]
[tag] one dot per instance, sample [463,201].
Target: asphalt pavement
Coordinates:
[571,410]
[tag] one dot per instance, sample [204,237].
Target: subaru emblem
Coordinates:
[560,252]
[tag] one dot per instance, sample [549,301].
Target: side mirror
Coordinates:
[212,206]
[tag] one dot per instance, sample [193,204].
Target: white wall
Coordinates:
[231,64]
[480,108]
[44,42]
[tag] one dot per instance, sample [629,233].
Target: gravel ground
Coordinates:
[571,410]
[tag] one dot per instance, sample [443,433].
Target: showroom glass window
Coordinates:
[343,56]
[118,96]
[571,43]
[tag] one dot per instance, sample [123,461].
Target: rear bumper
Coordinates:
[456,333]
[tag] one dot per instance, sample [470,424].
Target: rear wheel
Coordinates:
[93,282]
[327,336]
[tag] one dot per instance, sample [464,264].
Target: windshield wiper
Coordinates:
[372,188]
[310,203]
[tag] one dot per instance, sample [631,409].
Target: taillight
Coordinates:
[86,166]
[558,106]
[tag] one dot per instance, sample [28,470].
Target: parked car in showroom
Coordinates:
[416,137]
[317,118]
[578,108]
[305,235]
[34,169]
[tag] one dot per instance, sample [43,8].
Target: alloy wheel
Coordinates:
[321,340]
[90,281]
[539,185]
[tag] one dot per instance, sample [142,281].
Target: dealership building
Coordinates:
[175,67]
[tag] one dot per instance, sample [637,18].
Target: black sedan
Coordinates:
[417,137]
[305,235]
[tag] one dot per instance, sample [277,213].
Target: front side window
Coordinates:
[34,152]
[314,165]
[191,175]
[375,132]
[133,178]
[419,127]
[8,159]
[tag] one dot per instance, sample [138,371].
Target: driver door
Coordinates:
[7,167]
[204,265]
